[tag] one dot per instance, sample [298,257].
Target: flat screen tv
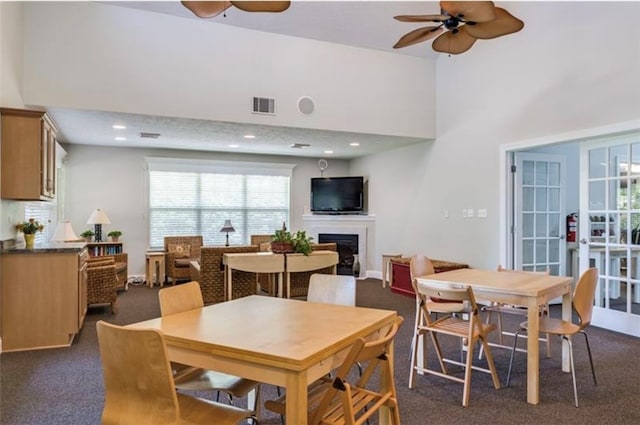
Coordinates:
[337,195]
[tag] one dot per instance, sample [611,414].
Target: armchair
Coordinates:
[102,282]
[121,262]
[180,251]
[212,274]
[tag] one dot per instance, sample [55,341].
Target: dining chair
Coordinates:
[583,298]
[469,331]
[139,385]
[518,310]
[343,399]
[329,289]
[332,289]
[419,265]
[184,297]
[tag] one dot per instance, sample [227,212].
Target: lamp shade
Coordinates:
[64,232]
[227,227]
[98,217]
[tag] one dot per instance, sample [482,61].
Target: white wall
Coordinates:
[543,81]
[112,179]
[11,42]
[89,55]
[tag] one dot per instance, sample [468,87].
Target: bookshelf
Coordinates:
[97,249]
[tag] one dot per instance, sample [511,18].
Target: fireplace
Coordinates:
[363,226]
[347,248]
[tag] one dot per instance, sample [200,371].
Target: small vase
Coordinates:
[29,240]
[356,266]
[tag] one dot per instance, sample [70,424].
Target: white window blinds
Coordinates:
[44,213]
[190,197]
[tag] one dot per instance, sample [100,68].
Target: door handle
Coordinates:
[583,241]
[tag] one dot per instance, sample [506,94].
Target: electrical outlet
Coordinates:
[482,213]
[470,213]
[446,213]
[464,213]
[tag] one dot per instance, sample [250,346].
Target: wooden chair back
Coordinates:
[179,298]
[419,265]
[332,289]
[584,296]
[440,295]
[139,386]
[348,403]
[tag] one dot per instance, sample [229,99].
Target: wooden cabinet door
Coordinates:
[48,159]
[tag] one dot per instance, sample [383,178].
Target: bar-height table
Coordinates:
[516,287]
[291,344]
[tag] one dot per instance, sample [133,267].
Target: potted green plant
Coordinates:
[87,235]
[114,235]
[284,242]
[302,242]
[29,228]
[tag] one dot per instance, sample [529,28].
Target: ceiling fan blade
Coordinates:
[262,6]
[505,23]
[206,9]
[454,42]
[476,11]
[421,18]
[418,36]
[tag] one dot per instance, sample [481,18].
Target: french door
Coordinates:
[609,229]
[539,238]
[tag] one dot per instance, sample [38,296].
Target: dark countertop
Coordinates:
[46,248]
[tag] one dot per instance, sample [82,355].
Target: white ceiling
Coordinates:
[366,24]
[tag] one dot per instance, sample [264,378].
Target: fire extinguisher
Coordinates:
[572,227]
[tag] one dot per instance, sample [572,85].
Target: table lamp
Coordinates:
[227,227]
[64,232]
[98,218]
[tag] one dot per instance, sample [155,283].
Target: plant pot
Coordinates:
[282,247]
[114,238]
[29,240]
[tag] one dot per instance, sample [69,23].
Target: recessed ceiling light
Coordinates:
[354,144]
[119,126]
[328,152]
[234,146]
[249,136]
[121,139]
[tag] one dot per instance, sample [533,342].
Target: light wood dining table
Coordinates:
[279,341]
[520,288]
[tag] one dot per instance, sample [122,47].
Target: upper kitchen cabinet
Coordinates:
[28,155]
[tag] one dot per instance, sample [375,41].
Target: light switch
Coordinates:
[470,213]
[464,213]
[482,213]
[446,213]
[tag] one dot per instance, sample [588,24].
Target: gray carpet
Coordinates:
[64,386]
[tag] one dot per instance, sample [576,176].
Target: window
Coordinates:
[45,214]
[191,197]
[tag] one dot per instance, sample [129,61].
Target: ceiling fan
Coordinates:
[466,22]
[209,9]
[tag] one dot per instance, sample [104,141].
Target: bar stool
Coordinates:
[386,269]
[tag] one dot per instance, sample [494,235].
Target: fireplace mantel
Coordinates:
[361,225]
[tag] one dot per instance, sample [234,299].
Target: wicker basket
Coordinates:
[282,247]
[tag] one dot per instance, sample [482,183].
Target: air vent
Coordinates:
[149,135]
[264,105]
[299,145]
